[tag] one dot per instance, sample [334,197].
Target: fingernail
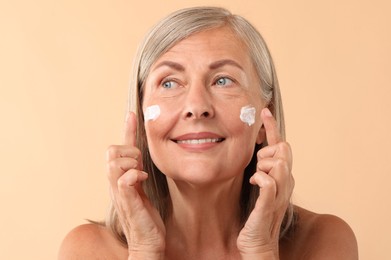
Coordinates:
[127,116]
[267,112]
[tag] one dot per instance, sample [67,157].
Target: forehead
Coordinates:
[213,43]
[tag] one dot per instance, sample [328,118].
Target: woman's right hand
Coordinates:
[140,221]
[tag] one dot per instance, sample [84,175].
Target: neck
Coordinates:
[204,219]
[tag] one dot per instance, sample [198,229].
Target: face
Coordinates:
[200,85]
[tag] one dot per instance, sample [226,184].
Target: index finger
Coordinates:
[272,133]
[130,129]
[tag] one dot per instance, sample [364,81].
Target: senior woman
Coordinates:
[204,171]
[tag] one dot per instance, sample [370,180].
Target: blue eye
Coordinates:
[223,81]
[169,84]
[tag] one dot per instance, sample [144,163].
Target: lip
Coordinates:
[200,135]
[198,141]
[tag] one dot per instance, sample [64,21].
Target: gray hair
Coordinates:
[163,36]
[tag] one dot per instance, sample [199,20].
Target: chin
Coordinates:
[202,177]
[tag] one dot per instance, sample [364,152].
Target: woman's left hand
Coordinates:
[259,237]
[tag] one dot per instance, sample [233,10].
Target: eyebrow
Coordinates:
[222,63]
[213,66]
[171,64]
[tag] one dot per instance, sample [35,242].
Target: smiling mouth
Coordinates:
[200,141]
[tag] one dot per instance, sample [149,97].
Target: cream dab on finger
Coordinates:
[247,115]
[151,113]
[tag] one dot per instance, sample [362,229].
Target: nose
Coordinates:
[198,103]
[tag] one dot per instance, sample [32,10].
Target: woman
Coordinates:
[204,171]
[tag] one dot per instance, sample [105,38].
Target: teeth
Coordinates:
[199,141]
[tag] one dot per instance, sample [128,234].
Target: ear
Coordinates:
[261,137]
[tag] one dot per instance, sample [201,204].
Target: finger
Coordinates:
[274,194]
[130,129]
[272,133]
[130,190]
[118,166]
[267,186]
[131,178]
[266,165]
[280,150]
[279,170]
[118,151]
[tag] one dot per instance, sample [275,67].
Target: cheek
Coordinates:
[241,119]
[158,135]
[162,118]
[242,140]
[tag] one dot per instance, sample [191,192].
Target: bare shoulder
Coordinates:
[322,236]
[91,241]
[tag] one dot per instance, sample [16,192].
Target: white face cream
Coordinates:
[247,115]
[151,113]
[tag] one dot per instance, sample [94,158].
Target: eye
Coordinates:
[169,84]
[223,81]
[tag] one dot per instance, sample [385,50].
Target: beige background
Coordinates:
[64,71]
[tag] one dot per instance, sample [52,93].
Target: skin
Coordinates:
[200,85]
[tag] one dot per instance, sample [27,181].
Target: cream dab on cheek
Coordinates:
[151,113]
[247,115]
